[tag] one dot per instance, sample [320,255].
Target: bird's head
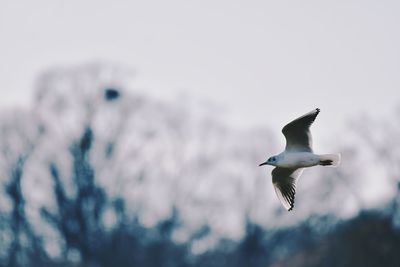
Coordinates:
[270,161]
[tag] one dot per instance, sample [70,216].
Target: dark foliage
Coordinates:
[111,94]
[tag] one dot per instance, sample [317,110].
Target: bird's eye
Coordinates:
[273,159]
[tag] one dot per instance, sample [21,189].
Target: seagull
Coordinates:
[298,155]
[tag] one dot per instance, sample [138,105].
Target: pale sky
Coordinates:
[264,61]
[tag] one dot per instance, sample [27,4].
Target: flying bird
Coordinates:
[298,155]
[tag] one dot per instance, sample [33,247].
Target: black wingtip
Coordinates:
[291,205]
[317,110]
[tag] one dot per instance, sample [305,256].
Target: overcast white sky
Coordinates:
[265,61]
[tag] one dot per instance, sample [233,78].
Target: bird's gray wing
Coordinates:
[297,132]
[284,181]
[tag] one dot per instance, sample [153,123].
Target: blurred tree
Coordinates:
[381,142]
[124,180]
[18,140]
[78,219]
[25,245]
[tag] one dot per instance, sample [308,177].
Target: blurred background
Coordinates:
[131,132]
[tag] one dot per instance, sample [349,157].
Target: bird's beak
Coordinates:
[264,163]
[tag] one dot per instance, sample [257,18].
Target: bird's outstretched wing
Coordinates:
[297,132]
[284,181]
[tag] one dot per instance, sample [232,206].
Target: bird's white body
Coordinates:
[295,160]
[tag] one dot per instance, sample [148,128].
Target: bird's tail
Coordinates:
[332,160]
